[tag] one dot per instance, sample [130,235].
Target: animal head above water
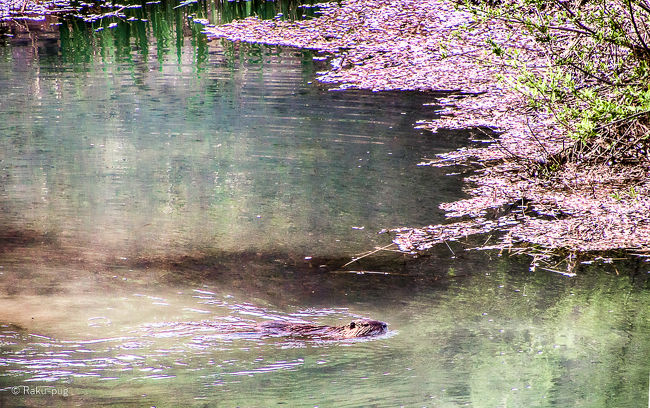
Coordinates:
[364,328]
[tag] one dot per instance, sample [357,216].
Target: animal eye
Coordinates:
[352,325]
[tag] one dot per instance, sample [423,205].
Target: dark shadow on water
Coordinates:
[280,277]
[285,278]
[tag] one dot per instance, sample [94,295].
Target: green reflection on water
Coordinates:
[129,35]
[127,39]
[228,11]
[205,146]
[494,335]
[539,340]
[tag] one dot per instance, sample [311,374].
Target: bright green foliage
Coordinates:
[596,81]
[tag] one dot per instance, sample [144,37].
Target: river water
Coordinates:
[157,189]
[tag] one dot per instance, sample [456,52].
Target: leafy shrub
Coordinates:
[596,81]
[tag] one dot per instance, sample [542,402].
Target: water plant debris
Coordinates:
[426,45]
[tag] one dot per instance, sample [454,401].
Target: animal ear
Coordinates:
[352,325]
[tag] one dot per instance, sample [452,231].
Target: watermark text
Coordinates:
[44,390]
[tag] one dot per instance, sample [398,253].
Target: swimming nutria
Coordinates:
[356,328]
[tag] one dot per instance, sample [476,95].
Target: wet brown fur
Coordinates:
[356,328]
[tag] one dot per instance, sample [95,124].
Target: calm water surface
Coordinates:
[157,190]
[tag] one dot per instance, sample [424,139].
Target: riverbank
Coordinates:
[426,45]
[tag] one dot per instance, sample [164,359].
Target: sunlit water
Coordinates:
[160,195]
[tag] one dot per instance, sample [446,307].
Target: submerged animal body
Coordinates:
[356,328]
